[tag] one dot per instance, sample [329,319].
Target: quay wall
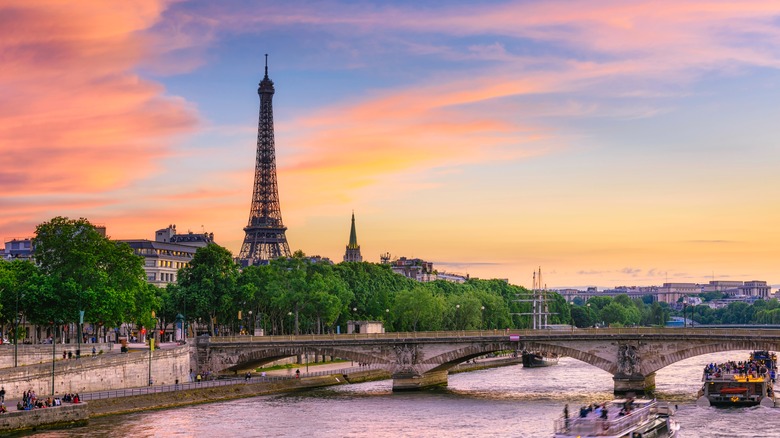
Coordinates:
[27,354]
[56,417]
[100,373]
[165,400]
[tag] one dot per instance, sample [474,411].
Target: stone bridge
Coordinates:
[420,359]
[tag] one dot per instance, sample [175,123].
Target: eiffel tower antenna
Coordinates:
[265,238]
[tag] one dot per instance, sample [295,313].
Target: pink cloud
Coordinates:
[76,117]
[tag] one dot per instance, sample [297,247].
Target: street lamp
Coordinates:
[17,320]
[151,345]
[482,316]
[290,315]
[81,321]
[457,316]
[53,352]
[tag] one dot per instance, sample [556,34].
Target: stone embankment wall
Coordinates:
[100,373]
[41,353]
[165,400]
[61,416]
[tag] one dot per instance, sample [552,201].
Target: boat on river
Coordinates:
[538,360]
[747,383]
[624,418]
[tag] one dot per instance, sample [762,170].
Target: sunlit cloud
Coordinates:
[76,117]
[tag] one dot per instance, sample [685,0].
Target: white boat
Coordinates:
[624,418]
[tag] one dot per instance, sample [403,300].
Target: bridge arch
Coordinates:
[246,359]
[656,362]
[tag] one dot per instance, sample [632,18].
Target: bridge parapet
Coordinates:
[631,355]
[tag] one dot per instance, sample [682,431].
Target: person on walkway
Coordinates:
[197,378]
[2,394]
[93,351]
[297,374]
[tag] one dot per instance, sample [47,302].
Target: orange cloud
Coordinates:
[76,117]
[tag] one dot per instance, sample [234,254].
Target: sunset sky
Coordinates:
[607,142]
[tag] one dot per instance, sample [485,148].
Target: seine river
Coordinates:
[502,402]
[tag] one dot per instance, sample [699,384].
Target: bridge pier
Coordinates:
[636,384]
[413,382]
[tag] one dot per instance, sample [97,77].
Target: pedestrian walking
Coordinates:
[2,394]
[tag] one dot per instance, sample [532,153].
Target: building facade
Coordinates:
[168,252]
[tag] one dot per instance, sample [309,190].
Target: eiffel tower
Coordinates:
[265,239]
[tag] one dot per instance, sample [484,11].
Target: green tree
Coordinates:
[209,284]
[418,309]
[582,317]
[86,271]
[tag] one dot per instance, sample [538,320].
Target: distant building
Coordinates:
[352,254]
[169,252]
[18,249]
[756,288]
[420,270]
[416,269]
[319,259]
[637,292]
[671,293]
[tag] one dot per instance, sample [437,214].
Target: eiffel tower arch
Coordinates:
[265,237]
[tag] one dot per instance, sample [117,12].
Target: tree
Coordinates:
[20,283]
[582,317]
[209,284]
[85,271]
[417,309]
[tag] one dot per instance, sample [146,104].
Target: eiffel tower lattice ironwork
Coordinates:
[265,233]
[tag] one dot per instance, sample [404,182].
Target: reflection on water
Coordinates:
[510,401]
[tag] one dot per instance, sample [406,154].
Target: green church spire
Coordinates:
[352,254]
[353,235]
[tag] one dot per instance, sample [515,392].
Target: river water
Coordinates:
[501,402]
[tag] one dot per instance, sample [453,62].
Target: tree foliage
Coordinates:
[84,270]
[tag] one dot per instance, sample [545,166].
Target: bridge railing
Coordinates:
[565,333]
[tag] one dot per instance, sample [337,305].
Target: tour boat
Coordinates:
[746,383]
[624,418]
[537,360]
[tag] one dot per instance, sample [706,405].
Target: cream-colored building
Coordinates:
[168,252]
